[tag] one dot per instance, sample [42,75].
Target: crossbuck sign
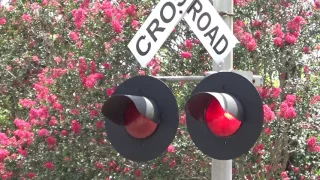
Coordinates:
[203,20]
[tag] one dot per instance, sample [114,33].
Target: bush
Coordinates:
[60,60]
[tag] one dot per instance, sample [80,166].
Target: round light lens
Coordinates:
[219,121]
[136,124]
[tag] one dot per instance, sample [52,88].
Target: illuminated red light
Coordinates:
[220,122]
[136,124]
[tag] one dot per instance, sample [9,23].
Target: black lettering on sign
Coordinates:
[157,28]
[195,10]
[142,53]
[182,3]
[225,46]
[208,23]
[164,19]
[212,37]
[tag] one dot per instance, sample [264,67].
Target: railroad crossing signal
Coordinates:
[224,117]
[224,113]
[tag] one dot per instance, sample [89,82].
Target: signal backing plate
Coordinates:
[153,146]
[225,148]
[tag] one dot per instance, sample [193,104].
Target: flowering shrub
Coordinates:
[60,60]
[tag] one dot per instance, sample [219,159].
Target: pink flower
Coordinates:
[74,36]
[291,99]
[4,140]
[49,165]
[44,2]
[126,170]
[35,58]
[189,44]
[251,44]
[92,79]
[43,133]
[155,70]
[79,17]
[31,175]
[306,49]
[35,6]
[93,113]
[172,163]
[267,131]
[268,114]
[76,127]
[27,103]
[3,21]
[21,124]
[264,92]
[196,41]
[257,34]
[53,122]
[317,4]
[284,174]
[240,23]
[278,42]
[186,55]
[275,92]
[278,30]
[290,113]
[3,154]
[106,65]
[257,23]
[290,39]
[64,133]
[135,24]
[23,151]
[138,173]
[171,149]
[131,10]
[111,90]
[57,106]
[99,125]
[99,165]
[51,141]
[183,119]
[312,141]
[117,27]
[74,112]
[315,149]
[26,17]
[258,148]
[141,72]
[24,137]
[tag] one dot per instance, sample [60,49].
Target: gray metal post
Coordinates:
[222,169]
[225,6]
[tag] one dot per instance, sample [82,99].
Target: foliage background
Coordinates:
[60,60]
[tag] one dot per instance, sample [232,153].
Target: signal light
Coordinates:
[136,124]
[219,121]
[141,118]
[224,115]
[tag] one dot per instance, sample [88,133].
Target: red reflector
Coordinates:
[136,124]
[220,122]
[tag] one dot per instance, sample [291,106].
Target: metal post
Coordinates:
[225,6]
[222,169]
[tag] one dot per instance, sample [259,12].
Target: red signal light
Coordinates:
[136,124]
[219,121]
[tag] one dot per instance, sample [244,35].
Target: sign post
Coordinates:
[222,169]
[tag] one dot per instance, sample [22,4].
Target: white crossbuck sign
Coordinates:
[203,20]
